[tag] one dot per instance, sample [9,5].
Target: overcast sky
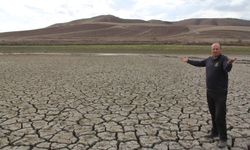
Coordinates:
[32,14]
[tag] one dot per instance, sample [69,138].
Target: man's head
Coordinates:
[216,49]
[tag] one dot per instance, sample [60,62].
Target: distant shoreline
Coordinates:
[129,49]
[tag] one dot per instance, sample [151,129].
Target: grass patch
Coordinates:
[147,49]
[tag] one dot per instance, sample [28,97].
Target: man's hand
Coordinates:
[184,59]
[230,61]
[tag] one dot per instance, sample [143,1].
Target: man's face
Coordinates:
[215,50]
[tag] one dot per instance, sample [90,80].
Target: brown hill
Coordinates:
[215,22]
[108,29]
[102,18]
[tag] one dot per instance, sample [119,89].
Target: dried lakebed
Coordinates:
[114,102]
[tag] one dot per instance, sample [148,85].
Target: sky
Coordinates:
[16,15]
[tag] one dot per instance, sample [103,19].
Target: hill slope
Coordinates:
[108,29]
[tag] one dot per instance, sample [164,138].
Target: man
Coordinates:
[217,68]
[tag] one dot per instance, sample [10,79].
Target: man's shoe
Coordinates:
[222,143]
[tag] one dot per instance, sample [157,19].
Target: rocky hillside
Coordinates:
[108,29]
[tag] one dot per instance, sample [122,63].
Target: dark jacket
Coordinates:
[216,72]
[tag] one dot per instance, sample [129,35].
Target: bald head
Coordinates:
[216,49]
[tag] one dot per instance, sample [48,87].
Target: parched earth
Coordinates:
[123,102]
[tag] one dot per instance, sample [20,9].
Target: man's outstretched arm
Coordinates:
[194,62]
[227,64]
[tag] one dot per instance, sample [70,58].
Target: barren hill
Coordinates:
[215,22]
[108,29]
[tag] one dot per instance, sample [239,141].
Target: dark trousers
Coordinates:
[217,107]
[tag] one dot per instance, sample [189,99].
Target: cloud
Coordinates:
[233,6]
[32,14]
[224,9]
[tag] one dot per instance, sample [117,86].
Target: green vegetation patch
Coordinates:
[154,49]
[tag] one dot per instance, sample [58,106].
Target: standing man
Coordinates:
[217,68]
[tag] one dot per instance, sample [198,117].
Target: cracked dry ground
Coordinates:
[114,102]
